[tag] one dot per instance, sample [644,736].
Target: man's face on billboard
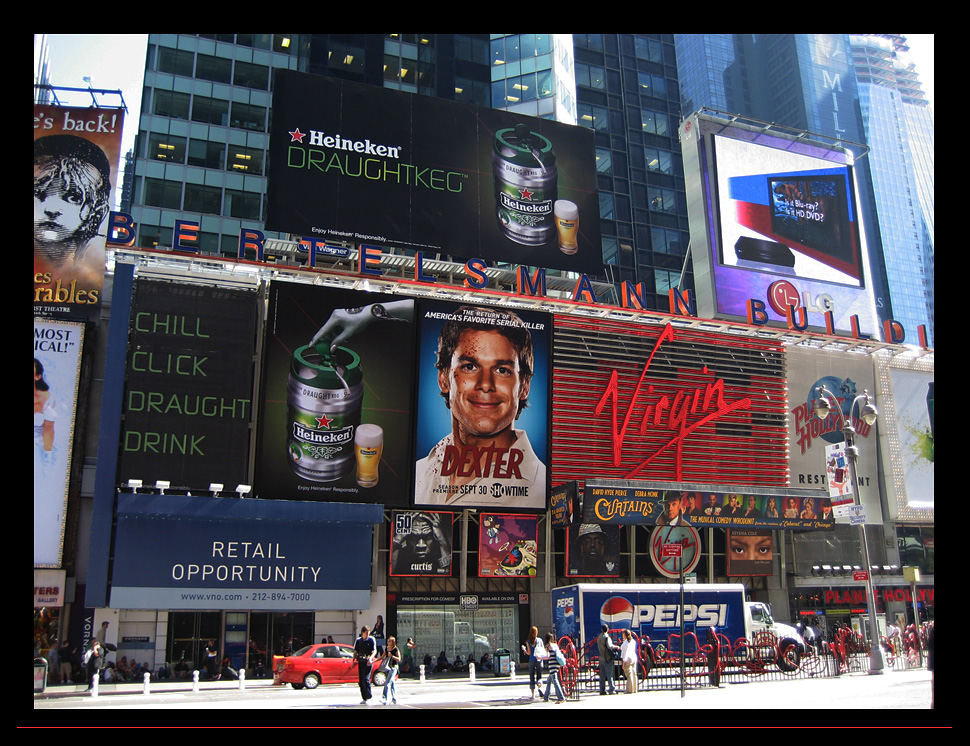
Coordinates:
[484,386]
[420,538]
[672,507]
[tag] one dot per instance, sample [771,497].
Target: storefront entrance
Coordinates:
[188,634]
[249,643]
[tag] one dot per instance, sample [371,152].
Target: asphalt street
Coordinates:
[897,699]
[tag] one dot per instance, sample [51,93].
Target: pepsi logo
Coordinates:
[617,613]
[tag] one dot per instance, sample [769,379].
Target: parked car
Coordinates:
[329,663]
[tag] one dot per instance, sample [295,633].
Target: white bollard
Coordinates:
[147,686]
[512,669]
[95,681]
[471,672]
[421,673]
[195,681]
[242,679]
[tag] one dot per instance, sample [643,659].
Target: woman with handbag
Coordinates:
[537,654]
[392,663]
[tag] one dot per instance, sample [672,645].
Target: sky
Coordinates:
[117,61]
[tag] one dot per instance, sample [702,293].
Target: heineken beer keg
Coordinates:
[524,167]
[324,395]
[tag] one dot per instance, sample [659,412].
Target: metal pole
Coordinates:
[683,642]
[875,650]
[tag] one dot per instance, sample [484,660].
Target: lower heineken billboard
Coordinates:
[357,163]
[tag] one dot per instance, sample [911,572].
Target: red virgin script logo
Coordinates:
[678,416]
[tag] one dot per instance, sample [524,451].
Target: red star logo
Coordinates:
[297,136]
[323,422]
[526,194]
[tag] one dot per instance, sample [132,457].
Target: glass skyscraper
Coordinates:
[853,88]
[899,130]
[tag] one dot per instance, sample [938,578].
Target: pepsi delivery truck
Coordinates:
[653,611]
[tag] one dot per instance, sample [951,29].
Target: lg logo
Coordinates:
[782,295]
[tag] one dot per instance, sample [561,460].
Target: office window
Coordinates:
[654,122]
[202,198]
[649,49]
[174,61]
[245,160]
[248,117]
[594,117]
[604,161]
[659,160]
[251,76]
[666,241]
[206,154]
[161,193]
[171,104]
[665,279]
[168,148]
[652,85]
[590,76]
[241,205]
[662,200]
[216,69]
[210,110]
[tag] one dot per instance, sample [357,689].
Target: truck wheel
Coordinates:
[788,656]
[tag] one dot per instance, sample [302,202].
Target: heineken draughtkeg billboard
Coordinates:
[357,163]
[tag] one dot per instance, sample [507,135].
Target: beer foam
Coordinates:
[566,210]
[369,436]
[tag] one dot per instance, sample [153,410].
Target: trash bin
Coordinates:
[40,675]
[279,664]
[502,663]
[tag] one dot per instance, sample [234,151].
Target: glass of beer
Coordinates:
[368,447]
[567,225]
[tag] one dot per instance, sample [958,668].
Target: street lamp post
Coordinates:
[867,412]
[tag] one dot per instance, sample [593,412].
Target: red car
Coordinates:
[329,663]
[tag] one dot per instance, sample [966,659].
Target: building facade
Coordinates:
[202,160]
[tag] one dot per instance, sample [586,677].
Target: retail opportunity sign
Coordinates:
[230,553]
[356,163]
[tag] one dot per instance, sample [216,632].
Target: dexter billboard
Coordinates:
[775,226]
[357,163]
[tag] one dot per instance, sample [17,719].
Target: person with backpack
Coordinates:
[555,661]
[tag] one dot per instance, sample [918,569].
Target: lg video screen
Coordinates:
[786,213]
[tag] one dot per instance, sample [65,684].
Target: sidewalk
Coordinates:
[901,690]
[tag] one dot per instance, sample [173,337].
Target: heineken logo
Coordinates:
[336,437]
[535,208]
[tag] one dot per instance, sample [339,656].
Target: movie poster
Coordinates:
[508,545]
[76,156]
[483,408]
